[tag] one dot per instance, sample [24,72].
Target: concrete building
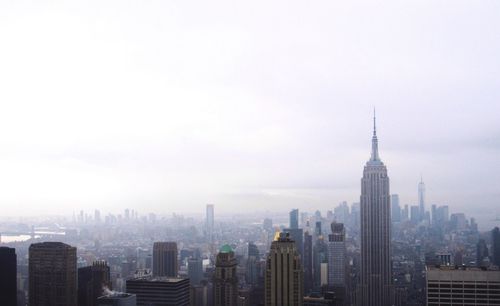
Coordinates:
[159,291]
[8,277]
[52,274]
[92,281]
[451,285]
[284,275]
[376,276]
[165,262]
[225,279]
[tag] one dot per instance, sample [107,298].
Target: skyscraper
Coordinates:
[375,231]
[395,208]
[209,223]
[91,283]
[421,198]
[8,274]
[52,274]
[165,259]
[336,256]
[195,270]
[308,263]
[283,286]
[495,246]
[294,218]
[225,278]
[252,275]
[481,252]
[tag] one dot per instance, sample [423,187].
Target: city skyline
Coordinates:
[267,114]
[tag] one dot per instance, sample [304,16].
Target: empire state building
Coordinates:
[376,281]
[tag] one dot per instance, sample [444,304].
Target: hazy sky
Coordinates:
[258,105]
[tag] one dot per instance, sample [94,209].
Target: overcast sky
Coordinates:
[264,105]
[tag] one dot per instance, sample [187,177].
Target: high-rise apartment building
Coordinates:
[165,262]
[92,282]
[451,285]
[376,277]
[225,280]
[8,274]
[159,291]
[209,223]
[284,274]
[52,274]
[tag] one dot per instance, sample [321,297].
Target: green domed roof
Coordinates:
[226,248]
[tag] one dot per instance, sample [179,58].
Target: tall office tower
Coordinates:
[405,215]
[209,223]
[91,283]
[320,264]
[283,284]
[225,279]
[159,291]
[8,274]
[395,208]
[52,274]
[450,285]
[481,252]
[336,256]
[308,263]
[253,271]
[165,259]
[375,231]
[294,218]
[495,246]
[421,198]
[117,299]
[195,270]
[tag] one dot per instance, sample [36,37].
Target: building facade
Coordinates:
[159,291]
[450,285]
[225,279]
[8,276]
[284,274]
[92,282]
[165,262]
[52,274]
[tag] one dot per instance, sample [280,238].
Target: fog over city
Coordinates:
[165,106]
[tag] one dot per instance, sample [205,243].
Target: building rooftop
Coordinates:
[226,248]
[162,279]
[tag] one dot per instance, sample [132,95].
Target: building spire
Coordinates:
[374,156]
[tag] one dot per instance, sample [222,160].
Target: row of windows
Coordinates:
[455,285]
